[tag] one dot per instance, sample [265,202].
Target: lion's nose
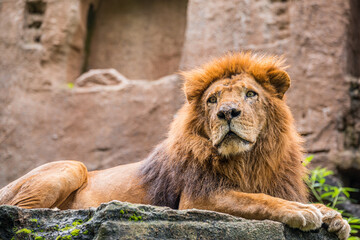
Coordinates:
[228,113]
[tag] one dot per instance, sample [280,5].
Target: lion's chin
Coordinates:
[233,145]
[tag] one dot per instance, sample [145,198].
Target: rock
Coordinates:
[141,39]
[100,125]
[118,220]
[100,77]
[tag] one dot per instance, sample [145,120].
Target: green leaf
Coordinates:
[327,173]
[353,238]
[349,189]
[353,220]
[326,194]
[322,181]
[346,193]
[336,192]
[70,85]
[307,160]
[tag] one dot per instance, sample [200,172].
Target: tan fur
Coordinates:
[232,148]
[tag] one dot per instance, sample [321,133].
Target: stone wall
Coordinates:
[46,45]
[142,39]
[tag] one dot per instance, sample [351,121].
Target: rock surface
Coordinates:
[141,39]
[117,220]
[100,77]
[100,125]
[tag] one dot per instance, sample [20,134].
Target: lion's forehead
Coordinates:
[241,83]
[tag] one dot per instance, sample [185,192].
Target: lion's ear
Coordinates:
[189,97]
[189,92]
[193,85]
[280,80]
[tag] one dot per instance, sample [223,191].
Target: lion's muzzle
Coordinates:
[228,112]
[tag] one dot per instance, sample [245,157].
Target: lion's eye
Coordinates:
[251,94]
[212,99]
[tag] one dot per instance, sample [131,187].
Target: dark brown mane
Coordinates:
[186,162]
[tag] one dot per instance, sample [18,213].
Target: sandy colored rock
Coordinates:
[100,77]
[102,126]
[147,41]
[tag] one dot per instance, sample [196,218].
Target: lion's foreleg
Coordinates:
[46,186]
[259,206]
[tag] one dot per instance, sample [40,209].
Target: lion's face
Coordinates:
[235,113]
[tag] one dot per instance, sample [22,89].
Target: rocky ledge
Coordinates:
[118,220]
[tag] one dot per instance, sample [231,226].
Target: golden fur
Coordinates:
[232,148]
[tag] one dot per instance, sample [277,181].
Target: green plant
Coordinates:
[75,232]
[135,218]
[77,222]
[331,195]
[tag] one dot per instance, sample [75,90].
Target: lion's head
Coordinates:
[233,94]
[234,132]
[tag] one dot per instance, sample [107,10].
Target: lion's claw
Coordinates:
[303,216]
[335,222]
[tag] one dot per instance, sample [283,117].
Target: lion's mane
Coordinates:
[186,162]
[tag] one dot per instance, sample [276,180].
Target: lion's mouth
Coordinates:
[230,135]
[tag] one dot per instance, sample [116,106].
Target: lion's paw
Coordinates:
[303,216]
[335,222]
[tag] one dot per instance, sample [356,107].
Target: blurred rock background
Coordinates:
[52,107]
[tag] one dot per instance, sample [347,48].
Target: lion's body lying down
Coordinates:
[232,148]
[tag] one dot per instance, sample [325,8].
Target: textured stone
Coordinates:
[142,39]
[117,220]
[100,125]
[100,77]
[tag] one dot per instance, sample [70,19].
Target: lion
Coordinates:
[232,148]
